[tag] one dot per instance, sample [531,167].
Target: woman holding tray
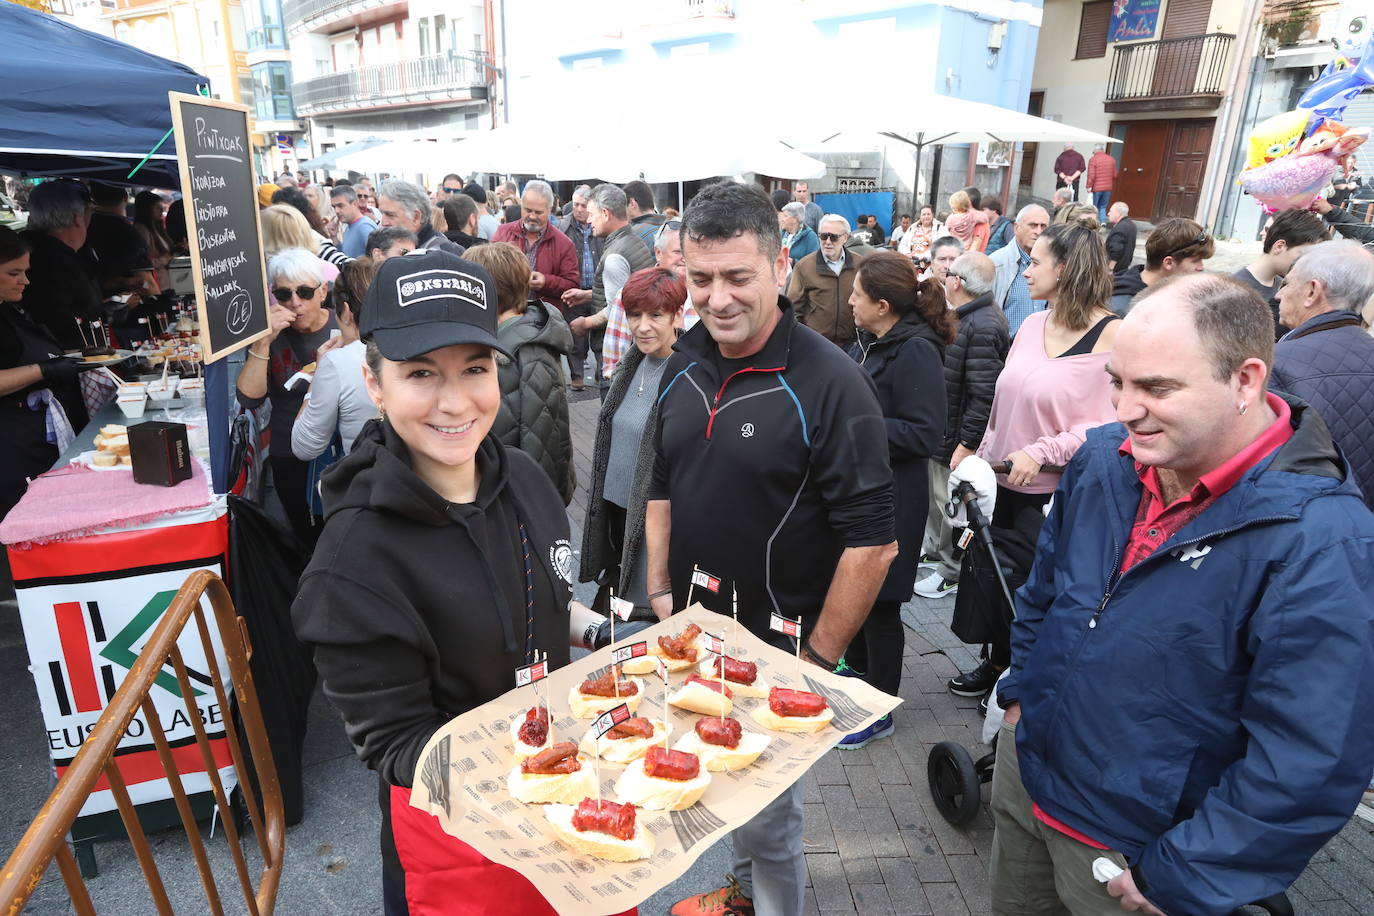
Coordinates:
[444,563]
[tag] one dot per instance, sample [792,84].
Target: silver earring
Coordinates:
[1242,408]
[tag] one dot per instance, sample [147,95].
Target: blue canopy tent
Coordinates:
[84,105]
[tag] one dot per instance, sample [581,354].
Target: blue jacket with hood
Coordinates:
[1205,714]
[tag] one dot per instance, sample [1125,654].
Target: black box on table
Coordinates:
[160,453]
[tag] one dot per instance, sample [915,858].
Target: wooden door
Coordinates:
[1185,167]
[1176,61]
[1137,181]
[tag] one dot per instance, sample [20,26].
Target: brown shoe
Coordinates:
[723,901]
[577,385]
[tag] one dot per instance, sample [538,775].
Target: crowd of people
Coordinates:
[785,398]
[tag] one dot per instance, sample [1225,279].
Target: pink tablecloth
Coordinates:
[76,501]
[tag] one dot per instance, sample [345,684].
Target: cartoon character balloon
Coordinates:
[1296,180]
[1353,68]
[1276,137]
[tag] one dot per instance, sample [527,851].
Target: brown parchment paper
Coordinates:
[463,769]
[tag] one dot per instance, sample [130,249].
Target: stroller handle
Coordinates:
[1004,467]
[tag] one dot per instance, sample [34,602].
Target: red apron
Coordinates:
[446,876]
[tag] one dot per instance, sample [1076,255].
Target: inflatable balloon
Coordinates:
[1296,180]
[1276,137]
[1351,71]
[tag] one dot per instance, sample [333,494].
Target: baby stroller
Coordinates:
[996,562]
[983,613]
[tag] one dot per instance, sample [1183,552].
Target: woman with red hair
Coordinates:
[613,537]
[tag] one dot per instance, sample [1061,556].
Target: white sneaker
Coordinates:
[936,586]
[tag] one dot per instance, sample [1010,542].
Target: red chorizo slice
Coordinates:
[638,727]
[784,701]
[561,758]
[723,732]
[662,763]
[607,817]
[735,670]
[605,687]
[680,646]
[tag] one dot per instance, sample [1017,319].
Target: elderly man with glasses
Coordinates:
[1176,246]
[822,282]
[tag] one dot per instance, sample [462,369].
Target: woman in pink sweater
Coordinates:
[964,219]
[1053,387]
[1052,390]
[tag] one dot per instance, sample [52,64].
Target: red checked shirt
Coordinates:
[1155,522]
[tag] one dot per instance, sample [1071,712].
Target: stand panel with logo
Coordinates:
[87,606]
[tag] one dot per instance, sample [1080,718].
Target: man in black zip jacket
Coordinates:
[772,474]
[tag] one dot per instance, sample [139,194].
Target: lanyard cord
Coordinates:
[529,595]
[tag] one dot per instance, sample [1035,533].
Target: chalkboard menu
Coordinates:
[221,206]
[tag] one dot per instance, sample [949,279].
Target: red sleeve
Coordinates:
[563,274]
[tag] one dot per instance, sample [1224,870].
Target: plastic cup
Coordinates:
[132,407]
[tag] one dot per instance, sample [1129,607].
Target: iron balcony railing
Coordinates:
[302,15]
[1169,68]
[421,79]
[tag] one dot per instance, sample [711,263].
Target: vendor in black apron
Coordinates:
[40,397]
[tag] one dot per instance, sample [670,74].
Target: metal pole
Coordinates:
[916,181]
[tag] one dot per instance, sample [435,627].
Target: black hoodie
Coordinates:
[907,367]
[415,607]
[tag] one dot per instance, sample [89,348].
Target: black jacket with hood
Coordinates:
[907,367]
[415,607]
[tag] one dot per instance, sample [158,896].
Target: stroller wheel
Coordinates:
[954,783]
[1277,905]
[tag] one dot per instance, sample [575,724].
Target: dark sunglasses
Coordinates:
[833,236]
[1200,240]
[283,294]
[673,225]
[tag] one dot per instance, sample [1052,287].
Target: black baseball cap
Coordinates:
[426,300]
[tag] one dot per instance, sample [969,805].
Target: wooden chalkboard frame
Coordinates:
[259,309]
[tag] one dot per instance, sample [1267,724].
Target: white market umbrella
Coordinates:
[400,157]
[734,154]
[542,149]
[943,119]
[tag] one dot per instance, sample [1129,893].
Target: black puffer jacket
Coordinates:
[906,366]
[972,364]
[1329,363]
[534,404]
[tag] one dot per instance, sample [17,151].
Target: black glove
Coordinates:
[64,369]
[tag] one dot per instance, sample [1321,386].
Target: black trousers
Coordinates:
[877,649]
[290,477]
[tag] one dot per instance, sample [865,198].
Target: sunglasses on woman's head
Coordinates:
[306,293]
